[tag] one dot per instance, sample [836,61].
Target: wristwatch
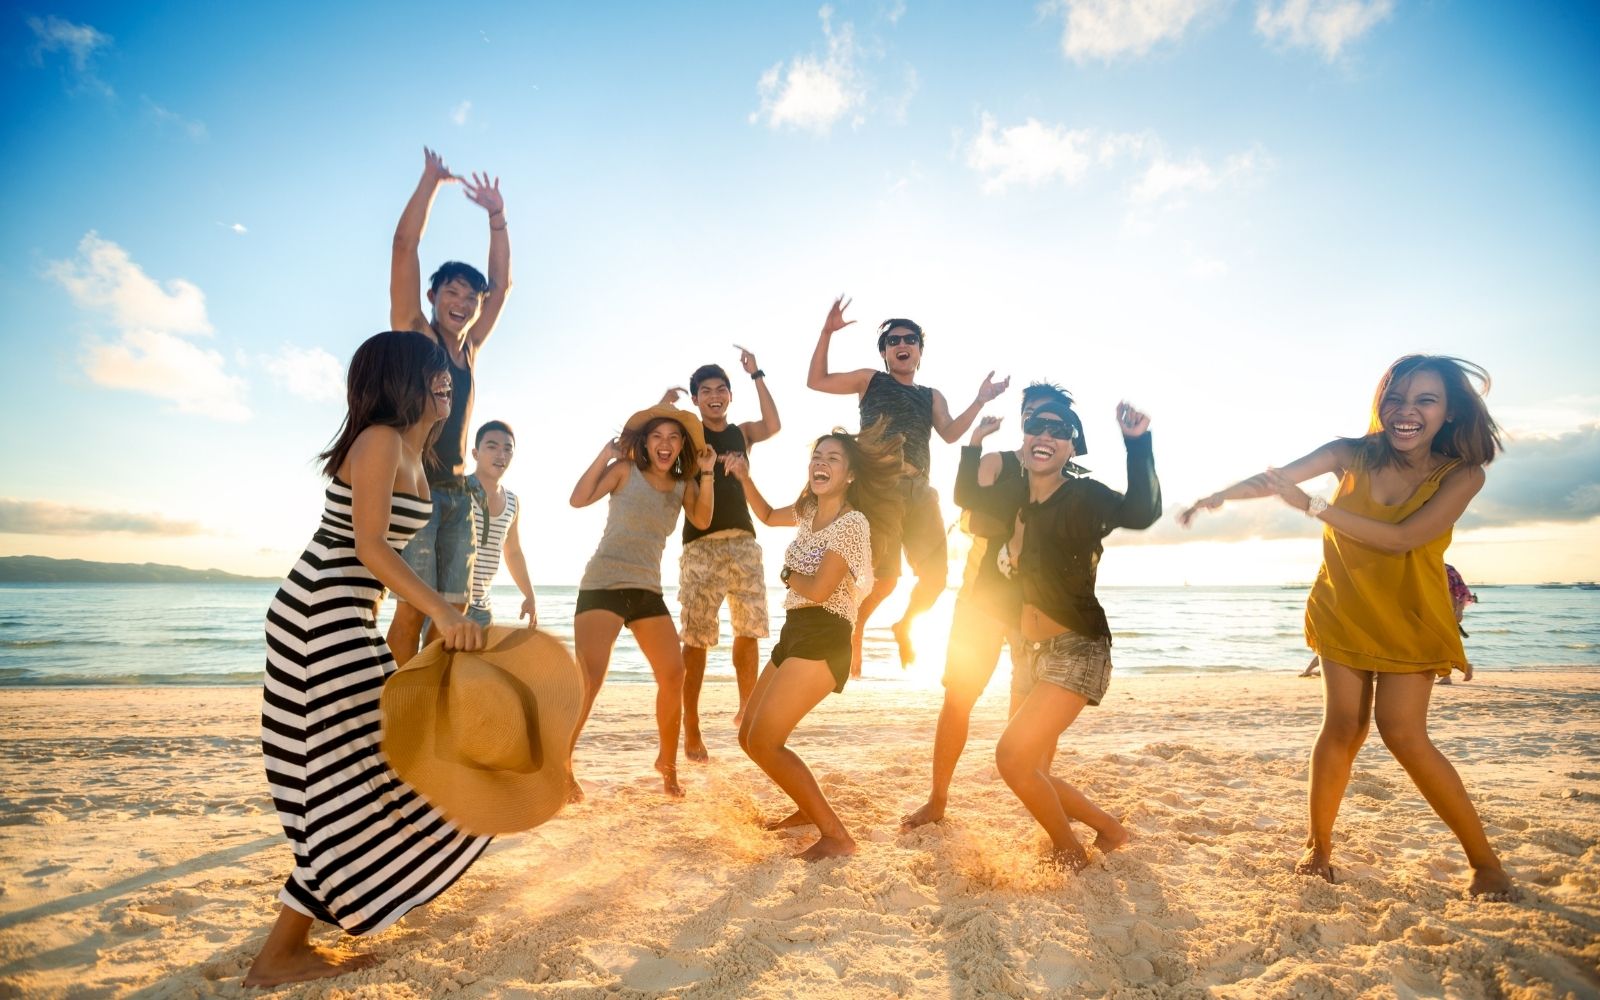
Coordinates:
[784,574]
[1316,507]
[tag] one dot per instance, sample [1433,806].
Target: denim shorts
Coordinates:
[443,551]
[483,616]
[1079,663]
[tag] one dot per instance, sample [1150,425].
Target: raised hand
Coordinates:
[671,395]
[985,427]
[706,459]
[735,464]
[433,168]
[747,361]
[1186,516]
[836,321]
[1131,421]
[612,451]
[484,194]
[990,388]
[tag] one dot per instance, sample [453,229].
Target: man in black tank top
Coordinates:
[915,411]
[989,602]
[722,561]
[465,306]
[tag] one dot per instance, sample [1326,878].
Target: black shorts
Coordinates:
[920,534]
[630,604]
[816,634]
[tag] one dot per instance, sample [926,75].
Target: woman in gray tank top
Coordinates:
[656,468]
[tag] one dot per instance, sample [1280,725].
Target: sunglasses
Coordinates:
[1060,430]
[896,339]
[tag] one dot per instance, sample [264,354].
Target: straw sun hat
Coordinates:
[485,736]
[690,422]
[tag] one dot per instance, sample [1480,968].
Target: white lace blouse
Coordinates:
[851,537]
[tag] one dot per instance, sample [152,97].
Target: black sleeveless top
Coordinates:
[730,510]
[909,409]
[450,450]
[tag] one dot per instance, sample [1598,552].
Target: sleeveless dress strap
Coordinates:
[1442,470]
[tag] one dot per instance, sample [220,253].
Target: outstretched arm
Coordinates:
[1335,456]
[759,430]
[602,477]
[486,195]
[951,428]
[517,566]
[405,272]
[1141,505]
[374,459]
[818,377]
[1423,525]
[738,466]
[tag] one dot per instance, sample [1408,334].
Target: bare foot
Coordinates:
[902,637]
[1445,680]
[738,717]
[931,811]
[669,780]
[829,847]
[794,819]
[1072,859]
[1106,841]
[695,750]
[1491,885]
[303,964]
[1316,862]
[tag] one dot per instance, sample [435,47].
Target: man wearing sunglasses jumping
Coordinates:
[915,412]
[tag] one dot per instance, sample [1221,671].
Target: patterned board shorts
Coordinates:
[1079,663]
[717,567]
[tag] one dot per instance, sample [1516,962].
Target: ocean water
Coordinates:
[112,634]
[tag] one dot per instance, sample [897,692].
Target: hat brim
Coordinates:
[477,800]
[689,421]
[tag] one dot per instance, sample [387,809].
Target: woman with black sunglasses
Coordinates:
[1055,550]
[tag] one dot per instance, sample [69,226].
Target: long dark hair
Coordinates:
[1469,433]
[389,384]
[633,445]
[878,462]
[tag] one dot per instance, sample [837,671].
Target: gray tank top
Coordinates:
[638,520]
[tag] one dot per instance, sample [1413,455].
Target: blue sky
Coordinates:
[1234,213]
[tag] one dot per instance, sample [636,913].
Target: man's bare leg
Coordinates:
[694,675]
[923,596]
[288,956]
[949,740]
[405,631]
[746,658]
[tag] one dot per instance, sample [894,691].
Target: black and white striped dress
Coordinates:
[367,848]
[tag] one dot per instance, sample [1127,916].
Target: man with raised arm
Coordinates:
[915,412]
[464,307]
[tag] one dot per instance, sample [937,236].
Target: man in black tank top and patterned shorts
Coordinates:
[723,561]
[989,603]
[915,412]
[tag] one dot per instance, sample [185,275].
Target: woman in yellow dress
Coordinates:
[1379,616]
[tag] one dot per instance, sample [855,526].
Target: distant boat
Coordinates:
[1588,585]
[1556,586]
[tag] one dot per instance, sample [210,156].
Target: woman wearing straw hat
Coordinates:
[369,845]
[649,479]
[853,481]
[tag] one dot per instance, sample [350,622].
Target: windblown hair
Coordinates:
[451,270]
[1469,432]
[904,324]
[878,462]
[389,384]
[633,446]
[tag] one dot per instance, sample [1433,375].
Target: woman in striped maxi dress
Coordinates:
[367,848]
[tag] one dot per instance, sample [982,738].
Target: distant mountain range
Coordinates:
[40,569]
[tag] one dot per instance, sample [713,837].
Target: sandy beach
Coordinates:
[139,855]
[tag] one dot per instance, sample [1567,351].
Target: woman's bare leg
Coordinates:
[658,640]
[1346,717]
[783,696]
[1401,710]
[288,956]
[594,634]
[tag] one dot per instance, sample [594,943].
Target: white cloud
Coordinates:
[812,94]
[234,227]
[168,367]
[46,517]
[308,372]
[459,113]
[1029,154]
[1326,25]
[104,278]
[79,42]
[1105,29]
[166,118]
[1167,179]
[149,355]
[896,11]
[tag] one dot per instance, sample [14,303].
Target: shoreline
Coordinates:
[140,852]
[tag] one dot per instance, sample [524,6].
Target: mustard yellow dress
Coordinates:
[1375,610]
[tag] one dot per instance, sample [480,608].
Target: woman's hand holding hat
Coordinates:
[459,631]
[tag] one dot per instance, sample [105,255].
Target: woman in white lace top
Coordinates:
[828,569]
